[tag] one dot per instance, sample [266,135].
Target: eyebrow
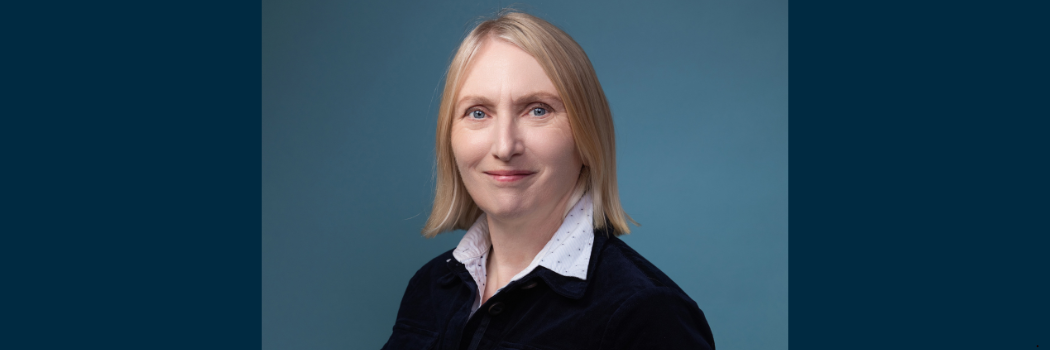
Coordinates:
[524,99]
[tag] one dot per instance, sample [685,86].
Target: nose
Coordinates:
[508,141]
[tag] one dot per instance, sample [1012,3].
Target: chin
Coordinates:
[508,207]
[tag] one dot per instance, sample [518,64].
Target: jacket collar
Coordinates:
[569,287]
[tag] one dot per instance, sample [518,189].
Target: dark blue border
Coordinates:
[918,167]
[132,202]
[919,155]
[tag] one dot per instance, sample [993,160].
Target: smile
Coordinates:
[509,175]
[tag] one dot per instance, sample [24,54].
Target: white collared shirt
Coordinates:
[567,253]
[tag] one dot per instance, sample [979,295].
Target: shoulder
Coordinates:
[418,302]
[434,269]
[439,261]
[622,269]
[651,310]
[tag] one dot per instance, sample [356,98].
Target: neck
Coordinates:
[517,241]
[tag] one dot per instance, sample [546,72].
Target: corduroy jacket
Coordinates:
[625,303]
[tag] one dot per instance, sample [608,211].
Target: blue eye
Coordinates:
[538,111]
[476,114]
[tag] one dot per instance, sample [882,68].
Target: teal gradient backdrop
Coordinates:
[699,93]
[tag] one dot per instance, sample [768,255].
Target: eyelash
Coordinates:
[535,106]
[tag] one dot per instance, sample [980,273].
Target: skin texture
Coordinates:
[516,154]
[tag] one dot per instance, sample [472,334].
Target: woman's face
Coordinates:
[511,135]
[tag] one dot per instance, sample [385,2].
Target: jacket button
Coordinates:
[530,285]
[496,308]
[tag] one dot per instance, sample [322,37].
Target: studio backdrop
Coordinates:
[350,90]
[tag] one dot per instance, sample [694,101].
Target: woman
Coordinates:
[526,164]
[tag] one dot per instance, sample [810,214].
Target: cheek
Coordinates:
[467,147]
[559,150]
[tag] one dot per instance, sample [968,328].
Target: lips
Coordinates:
[509,175]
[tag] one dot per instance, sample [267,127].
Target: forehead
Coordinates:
[502,69]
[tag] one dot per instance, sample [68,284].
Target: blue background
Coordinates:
[131,212]
[699,93]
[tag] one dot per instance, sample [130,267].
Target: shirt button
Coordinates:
[530,285]
[496,308]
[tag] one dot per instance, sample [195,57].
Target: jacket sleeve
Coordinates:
[657,318]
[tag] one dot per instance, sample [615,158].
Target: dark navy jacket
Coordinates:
[625,303]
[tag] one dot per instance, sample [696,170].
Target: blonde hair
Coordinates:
[590,118]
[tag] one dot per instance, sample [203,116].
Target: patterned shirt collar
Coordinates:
[568,252]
